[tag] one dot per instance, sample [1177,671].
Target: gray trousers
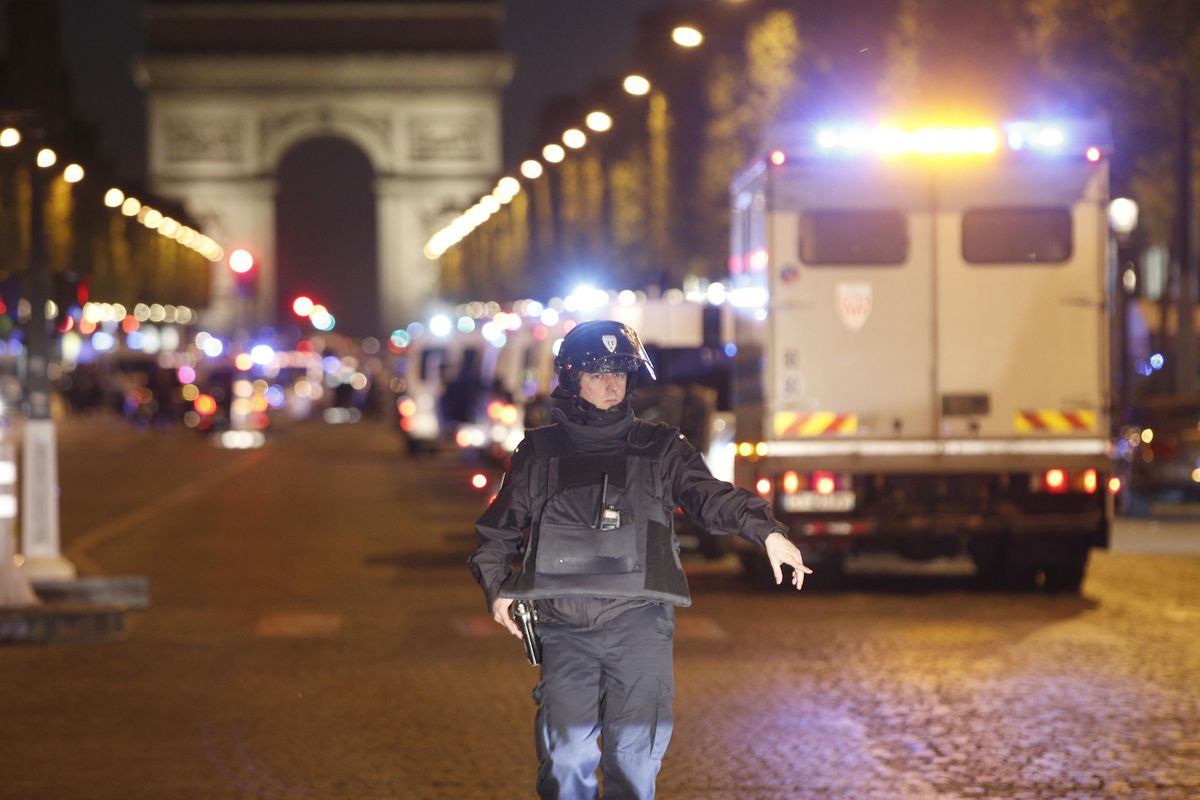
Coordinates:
[614,681]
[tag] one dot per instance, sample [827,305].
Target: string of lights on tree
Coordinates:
[128,205]
[574,139]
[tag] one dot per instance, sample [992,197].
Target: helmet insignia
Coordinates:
[610,342]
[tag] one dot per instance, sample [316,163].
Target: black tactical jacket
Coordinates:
[551,470]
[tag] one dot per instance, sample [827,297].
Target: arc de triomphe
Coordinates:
[232,86]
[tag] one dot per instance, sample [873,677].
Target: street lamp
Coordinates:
[73,173]
[553,153]
[506,189]
[574,138]
[636,85]
[39,472]
[531,169]
[687,36]
[1123,215]
[599,121]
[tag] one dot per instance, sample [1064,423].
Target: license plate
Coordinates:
[803,502]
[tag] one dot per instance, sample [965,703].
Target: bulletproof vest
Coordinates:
[601,525]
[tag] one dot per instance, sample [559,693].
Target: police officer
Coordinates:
[586,505]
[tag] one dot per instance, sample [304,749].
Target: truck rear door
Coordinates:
[851,316]
[1020,315]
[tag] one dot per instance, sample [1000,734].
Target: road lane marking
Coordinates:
[688,627]
[298,625]
[81,546]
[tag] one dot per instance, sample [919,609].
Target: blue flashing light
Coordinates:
[262,354]
[1084,138]
[275,396]
[102,341]
[730,349]
[1156,361]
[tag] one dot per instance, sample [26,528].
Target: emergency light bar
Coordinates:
[1089,139]
[927,141]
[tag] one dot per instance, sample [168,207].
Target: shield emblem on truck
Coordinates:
[854,304]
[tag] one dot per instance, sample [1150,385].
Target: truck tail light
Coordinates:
[763,486]
[1055,481]
[1114,485]
[824,482]
[791,482]
[1090,481]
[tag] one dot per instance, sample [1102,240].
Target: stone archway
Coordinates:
[415,86]
[326,237]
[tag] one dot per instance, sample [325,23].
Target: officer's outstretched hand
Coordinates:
[500,613]
[781,551]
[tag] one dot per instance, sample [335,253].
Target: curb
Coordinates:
[128,591]
[80,611]
[61,623]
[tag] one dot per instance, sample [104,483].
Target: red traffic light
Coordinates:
[241,261]
[302,306]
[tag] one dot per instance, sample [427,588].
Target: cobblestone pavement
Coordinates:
[314,634]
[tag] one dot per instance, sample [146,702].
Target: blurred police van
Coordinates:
[922,336]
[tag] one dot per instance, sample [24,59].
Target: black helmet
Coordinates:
[600,346]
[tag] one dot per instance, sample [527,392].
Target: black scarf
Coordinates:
[594,430]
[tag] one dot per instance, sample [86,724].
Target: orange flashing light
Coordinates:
[205,405]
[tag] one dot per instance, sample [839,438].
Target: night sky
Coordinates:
[326,244]
[560,47]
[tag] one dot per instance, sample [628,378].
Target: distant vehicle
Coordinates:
[923,353]
[443,386]
[1161,451]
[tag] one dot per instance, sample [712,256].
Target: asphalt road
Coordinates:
[313,633]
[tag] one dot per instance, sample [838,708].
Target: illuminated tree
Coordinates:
[1138,62]
[744,92]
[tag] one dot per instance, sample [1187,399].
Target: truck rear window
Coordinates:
[860,236]
[1016,235]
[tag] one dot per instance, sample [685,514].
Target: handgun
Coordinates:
[526,616]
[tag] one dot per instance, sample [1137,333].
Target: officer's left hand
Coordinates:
[781,551]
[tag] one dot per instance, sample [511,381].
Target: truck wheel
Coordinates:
[1066,574]
[1000,574]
